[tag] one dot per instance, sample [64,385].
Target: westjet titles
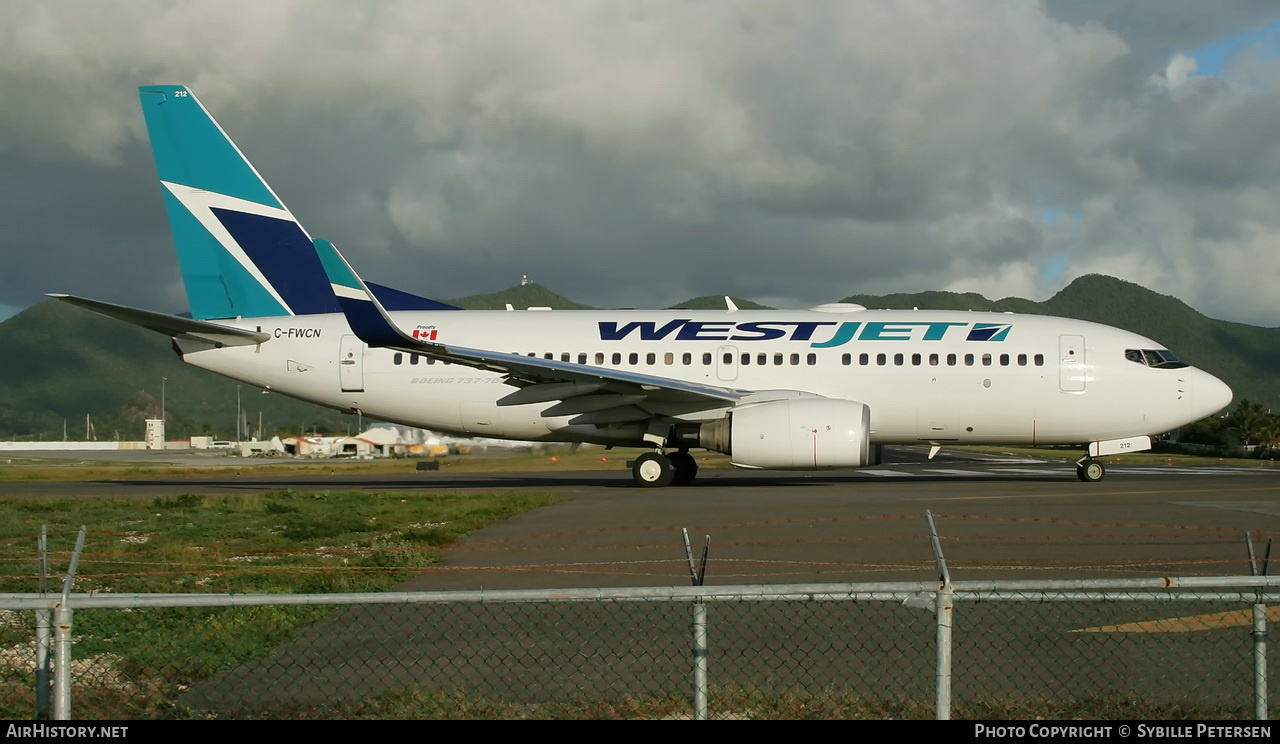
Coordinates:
[683,329]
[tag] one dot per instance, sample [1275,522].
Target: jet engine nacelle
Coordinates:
[794,434]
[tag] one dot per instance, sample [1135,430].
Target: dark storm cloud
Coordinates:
[639,153]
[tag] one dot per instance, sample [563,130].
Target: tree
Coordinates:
[1253,425]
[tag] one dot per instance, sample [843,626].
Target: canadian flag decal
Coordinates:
[425,335]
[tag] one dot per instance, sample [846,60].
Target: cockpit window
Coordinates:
[1158,358]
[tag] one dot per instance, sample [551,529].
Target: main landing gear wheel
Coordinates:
[1090,470]
[686,468]
[653,470]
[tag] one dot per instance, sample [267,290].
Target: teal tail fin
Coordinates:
[241,252]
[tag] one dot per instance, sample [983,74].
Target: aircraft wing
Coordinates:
[601,394]
[170,325]
[527,371]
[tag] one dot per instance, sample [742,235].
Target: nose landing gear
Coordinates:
[1090,470]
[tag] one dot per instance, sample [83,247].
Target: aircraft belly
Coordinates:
[459,403]
[957,409]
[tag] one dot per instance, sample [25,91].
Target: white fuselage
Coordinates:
[927,376]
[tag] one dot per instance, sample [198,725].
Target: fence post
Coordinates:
[699,661]
[62,666]
[1260,661]
[44,631]
[698,576]
[1259,632]
[62,638]
[945,605]
[43,636]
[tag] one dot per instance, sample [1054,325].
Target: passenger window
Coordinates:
[633,358]
[845,359]
[1004,360]
[915,360]
[617,358]
[728,358]
[933,360]
[564,356]
[951,360]
[548,355]
[899,360]
[650,358]
[811,359]
[706,357]
[398,358]
[986,360]
[413,359]
[599,359]
[968,360]
[864,359]
[777,358]
[687,359]
[746,358]
[881,359]
[1022,360]
[1039,359]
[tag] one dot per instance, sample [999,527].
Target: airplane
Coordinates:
[822,388]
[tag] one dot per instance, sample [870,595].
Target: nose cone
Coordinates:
[1211,394]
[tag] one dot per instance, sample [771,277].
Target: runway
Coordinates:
[996,516]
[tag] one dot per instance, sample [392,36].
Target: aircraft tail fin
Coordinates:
[241,252]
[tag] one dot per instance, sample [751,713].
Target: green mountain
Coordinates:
[59,363]
[716,302]
[520,297]
[529,295]
[1245,357]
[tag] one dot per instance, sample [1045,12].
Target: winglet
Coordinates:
[367,317]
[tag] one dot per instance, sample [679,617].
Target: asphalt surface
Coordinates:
[997,516]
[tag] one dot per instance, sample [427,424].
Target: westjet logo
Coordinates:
[819,334]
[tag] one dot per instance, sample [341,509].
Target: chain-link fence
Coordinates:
[1139,648]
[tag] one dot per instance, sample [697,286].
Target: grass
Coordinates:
[280,541]
[286,542]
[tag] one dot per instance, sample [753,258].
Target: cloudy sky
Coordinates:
[638,153]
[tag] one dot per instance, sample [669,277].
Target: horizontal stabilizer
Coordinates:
[170,325]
